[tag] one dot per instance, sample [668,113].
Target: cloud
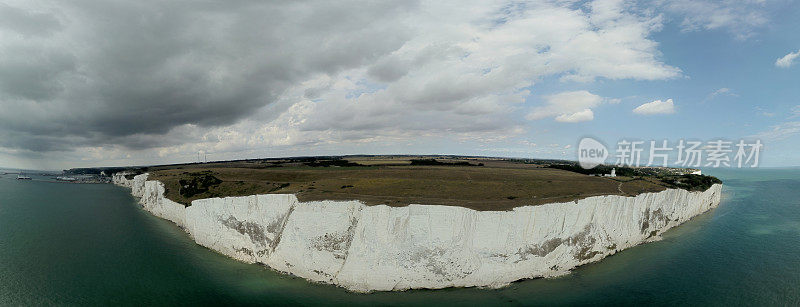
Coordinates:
[795,112]
[468,79]
[582,116]
[787,60]
[176,77]
[27,23]
[780,132]
[763,112]
[656,107]
[120,72]
[741,18]
[567,107]
[722,91]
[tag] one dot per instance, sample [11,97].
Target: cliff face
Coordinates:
[368,248]
[151,197]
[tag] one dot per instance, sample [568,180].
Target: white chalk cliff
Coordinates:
[380,248]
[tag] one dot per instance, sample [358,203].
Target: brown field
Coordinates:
[497,185]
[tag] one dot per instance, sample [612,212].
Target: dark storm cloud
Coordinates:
[90,73]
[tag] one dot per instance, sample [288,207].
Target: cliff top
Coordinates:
[472,182]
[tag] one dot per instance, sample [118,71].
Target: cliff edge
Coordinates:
[380,248]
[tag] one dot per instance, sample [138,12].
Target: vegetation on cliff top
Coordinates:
[477,183]
[669,177]
[690,182]
[196,183]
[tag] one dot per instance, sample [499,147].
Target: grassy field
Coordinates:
[481,184]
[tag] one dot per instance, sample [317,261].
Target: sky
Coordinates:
[123,82]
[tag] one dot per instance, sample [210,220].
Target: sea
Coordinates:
[91,244]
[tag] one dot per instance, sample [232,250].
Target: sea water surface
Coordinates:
[91,244]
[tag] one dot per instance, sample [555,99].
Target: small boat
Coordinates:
[23,177]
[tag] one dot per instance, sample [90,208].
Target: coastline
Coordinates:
[380,248]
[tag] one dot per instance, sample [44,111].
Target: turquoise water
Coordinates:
[73,244]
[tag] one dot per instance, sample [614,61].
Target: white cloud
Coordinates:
[763,112]
[739,17]
[656,107]
[567,107]
[787,60]
[582,116]
[722,91]
[780,131]
[795,111]
[469,72]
